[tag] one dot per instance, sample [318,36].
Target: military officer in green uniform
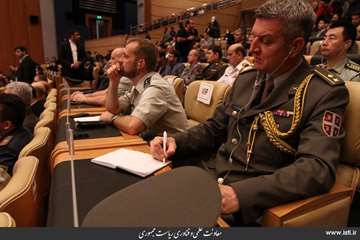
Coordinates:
[152,104]
[337,42]
[216,67]
[277,137]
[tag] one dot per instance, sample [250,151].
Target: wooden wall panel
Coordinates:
[163,8]
[16,30]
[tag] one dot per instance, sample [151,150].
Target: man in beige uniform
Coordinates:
[337,42]
[152,104]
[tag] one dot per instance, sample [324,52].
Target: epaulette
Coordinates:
[247,68]
[329,77]
[147,82]
[353,67]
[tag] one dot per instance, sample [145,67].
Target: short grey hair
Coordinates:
[297,16]
[21,89]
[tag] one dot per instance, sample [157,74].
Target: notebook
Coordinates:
[138,163]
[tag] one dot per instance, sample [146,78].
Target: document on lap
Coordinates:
[138,163]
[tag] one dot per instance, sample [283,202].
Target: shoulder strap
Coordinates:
[329,77]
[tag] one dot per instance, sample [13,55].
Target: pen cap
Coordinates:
[183,197]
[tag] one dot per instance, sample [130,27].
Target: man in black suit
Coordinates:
[25,71]
[72,55]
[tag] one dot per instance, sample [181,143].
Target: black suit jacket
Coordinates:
[26,70]
[66,58]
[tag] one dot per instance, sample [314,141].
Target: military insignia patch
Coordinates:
[331,124]
[147,82]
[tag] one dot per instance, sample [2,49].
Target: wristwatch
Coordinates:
[113,118]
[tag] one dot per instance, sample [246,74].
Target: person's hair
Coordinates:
[147,50]
[349,31]
[12,109]
[21,89]
[72,32]
[297,16]
[324,19]
[216,49]
[21,48]
[239,49]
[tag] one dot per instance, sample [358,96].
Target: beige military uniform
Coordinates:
[125,85]
[154,102]
[347,70]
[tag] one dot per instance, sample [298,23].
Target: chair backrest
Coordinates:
[315,47]
[19,197]
[199,111]
[52,93]
[49,101]
[348,172]
[179,86]
[40,147]
[46,120]
[51,104]
[6,220]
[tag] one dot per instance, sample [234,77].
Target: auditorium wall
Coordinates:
[16,29]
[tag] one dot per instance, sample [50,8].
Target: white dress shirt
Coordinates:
[231,72]
[73,51]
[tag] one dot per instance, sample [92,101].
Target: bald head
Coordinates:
[235,54]
[116,54]
[193,56]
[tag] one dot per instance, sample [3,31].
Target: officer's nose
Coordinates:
[254,46]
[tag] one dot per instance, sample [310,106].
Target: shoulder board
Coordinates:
[329,77]
[352,66]
[147,82]
[247,69]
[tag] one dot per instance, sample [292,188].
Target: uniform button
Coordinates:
[234,141]
[234,113]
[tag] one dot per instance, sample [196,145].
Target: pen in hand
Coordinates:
[164,145]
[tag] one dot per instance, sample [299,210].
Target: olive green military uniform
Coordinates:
[154,102]
[347,70]
[264,168]
[214,70]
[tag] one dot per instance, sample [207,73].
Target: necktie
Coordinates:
[269,86]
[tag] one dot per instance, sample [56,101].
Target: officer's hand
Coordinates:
[229,200]
[79,98]
[157,151]
[114,72]
[106,117]
[76,92]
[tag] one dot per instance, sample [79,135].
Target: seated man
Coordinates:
[237,64]
[13,136]
[193,70]
[216,67]
[172,65]
[24,91]
[338,40]
[152,104]
[98,98]
[267,154]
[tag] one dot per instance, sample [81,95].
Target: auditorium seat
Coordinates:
[6,220]
[178,84]
[20,196]
[197,111]
[47,119]
[40,147]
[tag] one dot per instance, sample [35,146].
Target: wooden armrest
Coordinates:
[277,215]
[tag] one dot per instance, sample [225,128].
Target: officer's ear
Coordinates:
[141,64]
[297,47]
[348,44]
